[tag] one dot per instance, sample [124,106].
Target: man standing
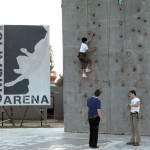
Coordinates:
[134,117]
[94,117]
[85,61]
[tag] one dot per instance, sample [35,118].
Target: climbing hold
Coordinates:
[94,22]
[85,95]
[133,29]
[120,23]
[128,53]
[78,26]
[121,35]
[123,84]
[134,69]
[140,59]
[77,7]
[145,34]
[99,25]
[116,60]
[140,45]
[139,18]
[120,9]
[93,14]
[145,20]
[138,10]
[100,37]
[99,4]
[96,61]
[122,70]
[142,117]
[91,85]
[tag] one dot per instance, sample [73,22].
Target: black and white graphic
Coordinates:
[24,62]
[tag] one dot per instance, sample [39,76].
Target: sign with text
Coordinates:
[24,65]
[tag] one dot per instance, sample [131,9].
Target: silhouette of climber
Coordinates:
[84,60]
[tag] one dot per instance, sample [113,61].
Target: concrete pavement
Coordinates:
[57,139]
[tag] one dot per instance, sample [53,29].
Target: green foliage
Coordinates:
[59,82]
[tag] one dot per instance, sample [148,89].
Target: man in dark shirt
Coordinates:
[94,117]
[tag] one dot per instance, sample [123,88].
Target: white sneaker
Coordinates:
[84,75]
[87,70]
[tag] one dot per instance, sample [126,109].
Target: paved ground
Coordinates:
[51,123]
[57,139]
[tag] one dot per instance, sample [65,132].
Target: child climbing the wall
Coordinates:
[85,61]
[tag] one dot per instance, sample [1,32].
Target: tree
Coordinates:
[60,80]
[51,58]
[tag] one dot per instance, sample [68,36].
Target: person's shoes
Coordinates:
[136,144]
[84,75]
[94,146]
[130,143]
[87,70]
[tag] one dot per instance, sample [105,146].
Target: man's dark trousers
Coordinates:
[94,125]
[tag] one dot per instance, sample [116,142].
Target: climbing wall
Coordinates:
[120,63]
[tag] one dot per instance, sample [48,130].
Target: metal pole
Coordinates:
[41,110]
[2,117]
[24,115]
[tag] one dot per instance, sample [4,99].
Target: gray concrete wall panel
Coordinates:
[120,63]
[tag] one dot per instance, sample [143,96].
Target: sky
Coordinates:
[37,12]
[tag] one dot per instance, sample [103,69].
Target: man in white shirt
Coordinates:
[134,117]
[85,61]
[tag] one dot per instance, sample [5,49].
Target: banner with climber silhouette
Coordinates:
[24,65]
